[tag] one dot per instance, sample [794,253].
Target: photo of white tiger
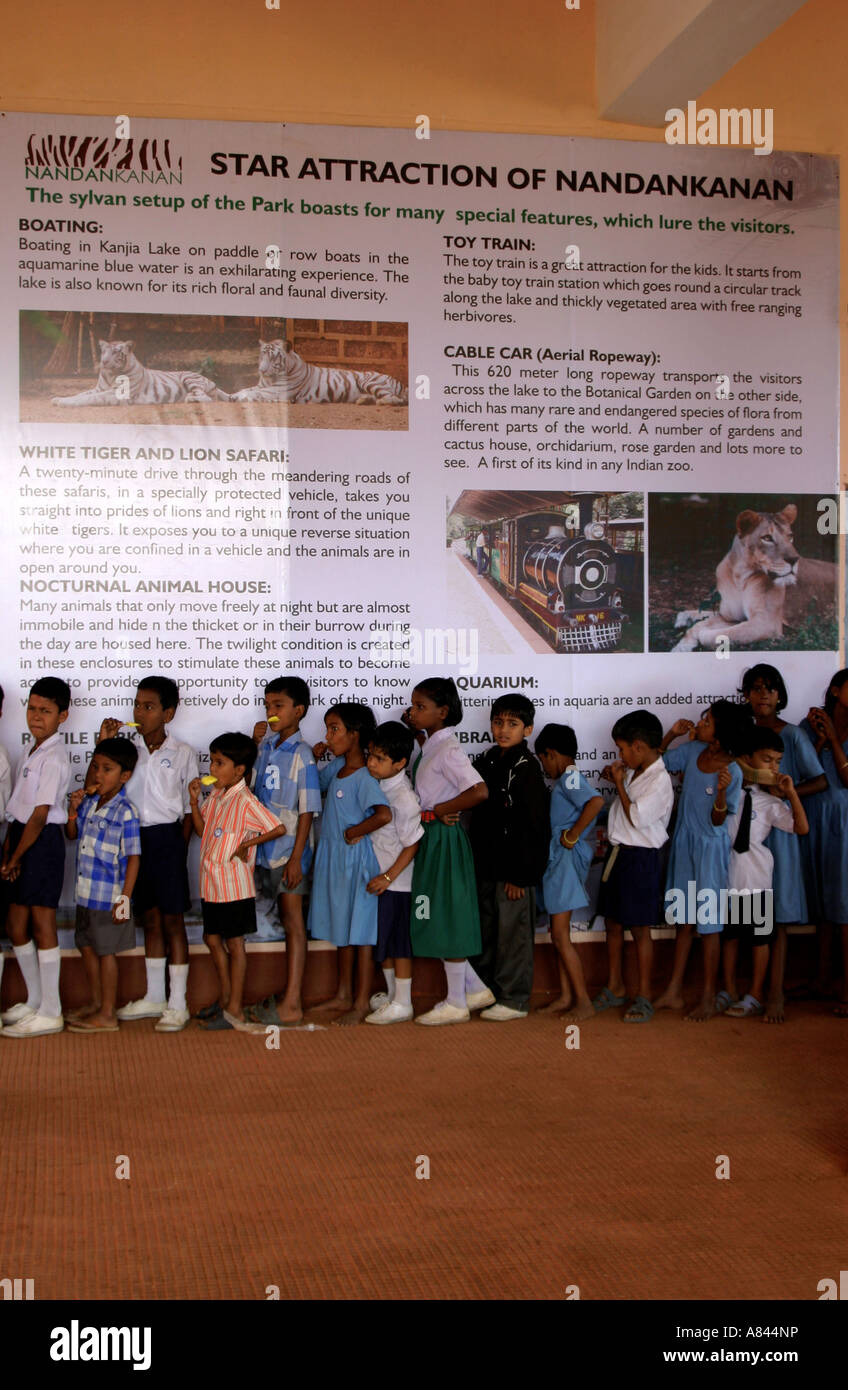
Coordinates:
[213,370]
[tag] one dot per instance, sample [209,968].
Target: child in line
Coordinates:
[108,858]
[631,882]
[700,848]
[574,807]
[395,846]
[231,823]
[341,908]
[34,861]
[5,793]
[287,783]
[448,927]
[752,865]
[765,692]
[158,789]
[827,730]
[509,835]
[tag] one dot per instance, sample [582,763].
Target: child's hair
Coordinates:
[641,724]
[516,704]
[557,738]
[54,689]
[2,696]
[119,750]
[830,699]
[442,691]
[296,689]
[771,679]
[760,739]
[357,719]
[167,690]
[732,725]
[393,739]
[240,750]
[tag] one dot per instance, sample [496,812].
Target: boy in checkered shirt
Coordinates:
[104,820]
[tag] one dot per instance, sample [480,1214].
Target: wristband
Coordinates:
[569,843]
[722,810]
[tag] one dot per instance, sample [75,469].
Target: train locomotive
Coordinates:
[572,575]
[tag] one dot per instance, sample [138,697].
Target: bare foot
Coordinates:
[583,1011]
[669,1001]
[96,1023]
[338,1004]
[556,1006]
[774,1011]
[292,1014]
[703,1011]
[353,1016]
[74,1015]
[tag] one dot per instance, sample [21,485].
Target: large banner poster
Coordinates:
[544,413]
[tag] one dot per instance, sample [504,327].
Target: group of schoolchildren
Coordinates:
[395,874]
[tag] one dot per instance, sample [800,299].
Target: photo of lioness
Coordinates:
[773,587]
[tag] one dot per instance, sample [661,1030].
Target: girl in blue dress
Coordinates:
[827,730]
[765,692]
[342,910]
[699,859]
[574,807]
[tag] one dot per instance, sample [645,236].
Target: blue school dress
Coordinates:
[341,910]
[700,851]
[564,880]
[827,813]
[790,898]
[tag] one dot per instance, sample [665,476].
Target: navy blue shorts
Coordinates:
[229,919]
[163,874]
[39,883]
[632,893]
[393,939]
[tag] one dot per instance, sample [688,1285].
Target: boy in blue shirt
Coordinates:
[286,781]
[105,821]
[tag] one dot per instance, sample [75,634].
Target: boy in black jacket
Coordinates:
[509,836]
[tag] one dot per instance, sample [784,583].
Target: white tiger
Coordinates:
[284,376]
[140,385]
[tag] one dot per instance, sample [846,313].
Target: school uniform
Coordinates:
[286,781]
[509,841]
[5,782]
[106,837]
[827,813]
[443,873]
[632,877]
[394,907]
[700,850]
[340,909]
[564,881]
[790,897]
[43,778]
[227,891]
[158,789]
[752,870]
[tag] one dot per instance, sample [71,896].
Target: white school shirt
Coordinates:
[752,870]
[5,781]
[158,787]
[443,771]
[404,829]
[44,775]
[651,797]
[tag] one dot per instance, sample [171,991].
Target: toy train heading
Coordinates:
[573,576]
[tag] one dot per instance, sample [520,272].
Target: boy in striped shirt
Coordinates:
[231,823]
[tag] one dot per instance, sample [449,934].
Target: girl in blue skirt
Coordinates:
[827,730]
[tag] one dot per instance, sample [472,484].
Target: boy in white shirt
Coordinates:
[33,862]
[631,882]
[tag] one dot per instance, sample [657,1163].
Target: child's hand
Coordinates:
[784,784]
[243,851]
[260,729]
[109,729]
[446,817]
[617,771]
[76,799]
[195,787]
[565,837]
[121,910]
[682,726]
[292,875]
[351,835]
[377,885]
[724,779]
[513,892]
[10,871]
[318,750]
[606,772]
[821,722]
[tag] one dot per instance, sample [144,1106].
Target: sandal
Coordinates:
[266,1012]
[640,1011]
[723,1002]
[749,1007]
[211,1011]
[607,1000]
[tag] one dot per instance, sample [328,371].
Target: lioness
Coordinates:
[763,583]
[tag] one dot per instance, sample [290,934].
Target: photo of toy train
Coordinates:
[571,564]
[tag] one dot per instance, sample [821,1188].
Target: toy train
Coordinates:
[572,575]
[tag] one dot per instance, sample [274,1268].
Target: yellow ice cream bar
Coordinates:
[273,719]
[209,780]
[130,724]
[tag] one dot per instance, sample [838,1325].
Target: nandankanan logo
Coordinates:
[103,154]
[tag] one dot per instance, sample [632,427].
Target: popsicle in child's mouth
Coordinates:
[273,719]
[131,724]
[209,780]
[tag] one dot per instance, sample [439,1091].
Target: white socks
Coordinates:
[403,992]
[155,968]
[49,963]
[390,983]
[473,983]
[178,978]
[455,972]
[27,959]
